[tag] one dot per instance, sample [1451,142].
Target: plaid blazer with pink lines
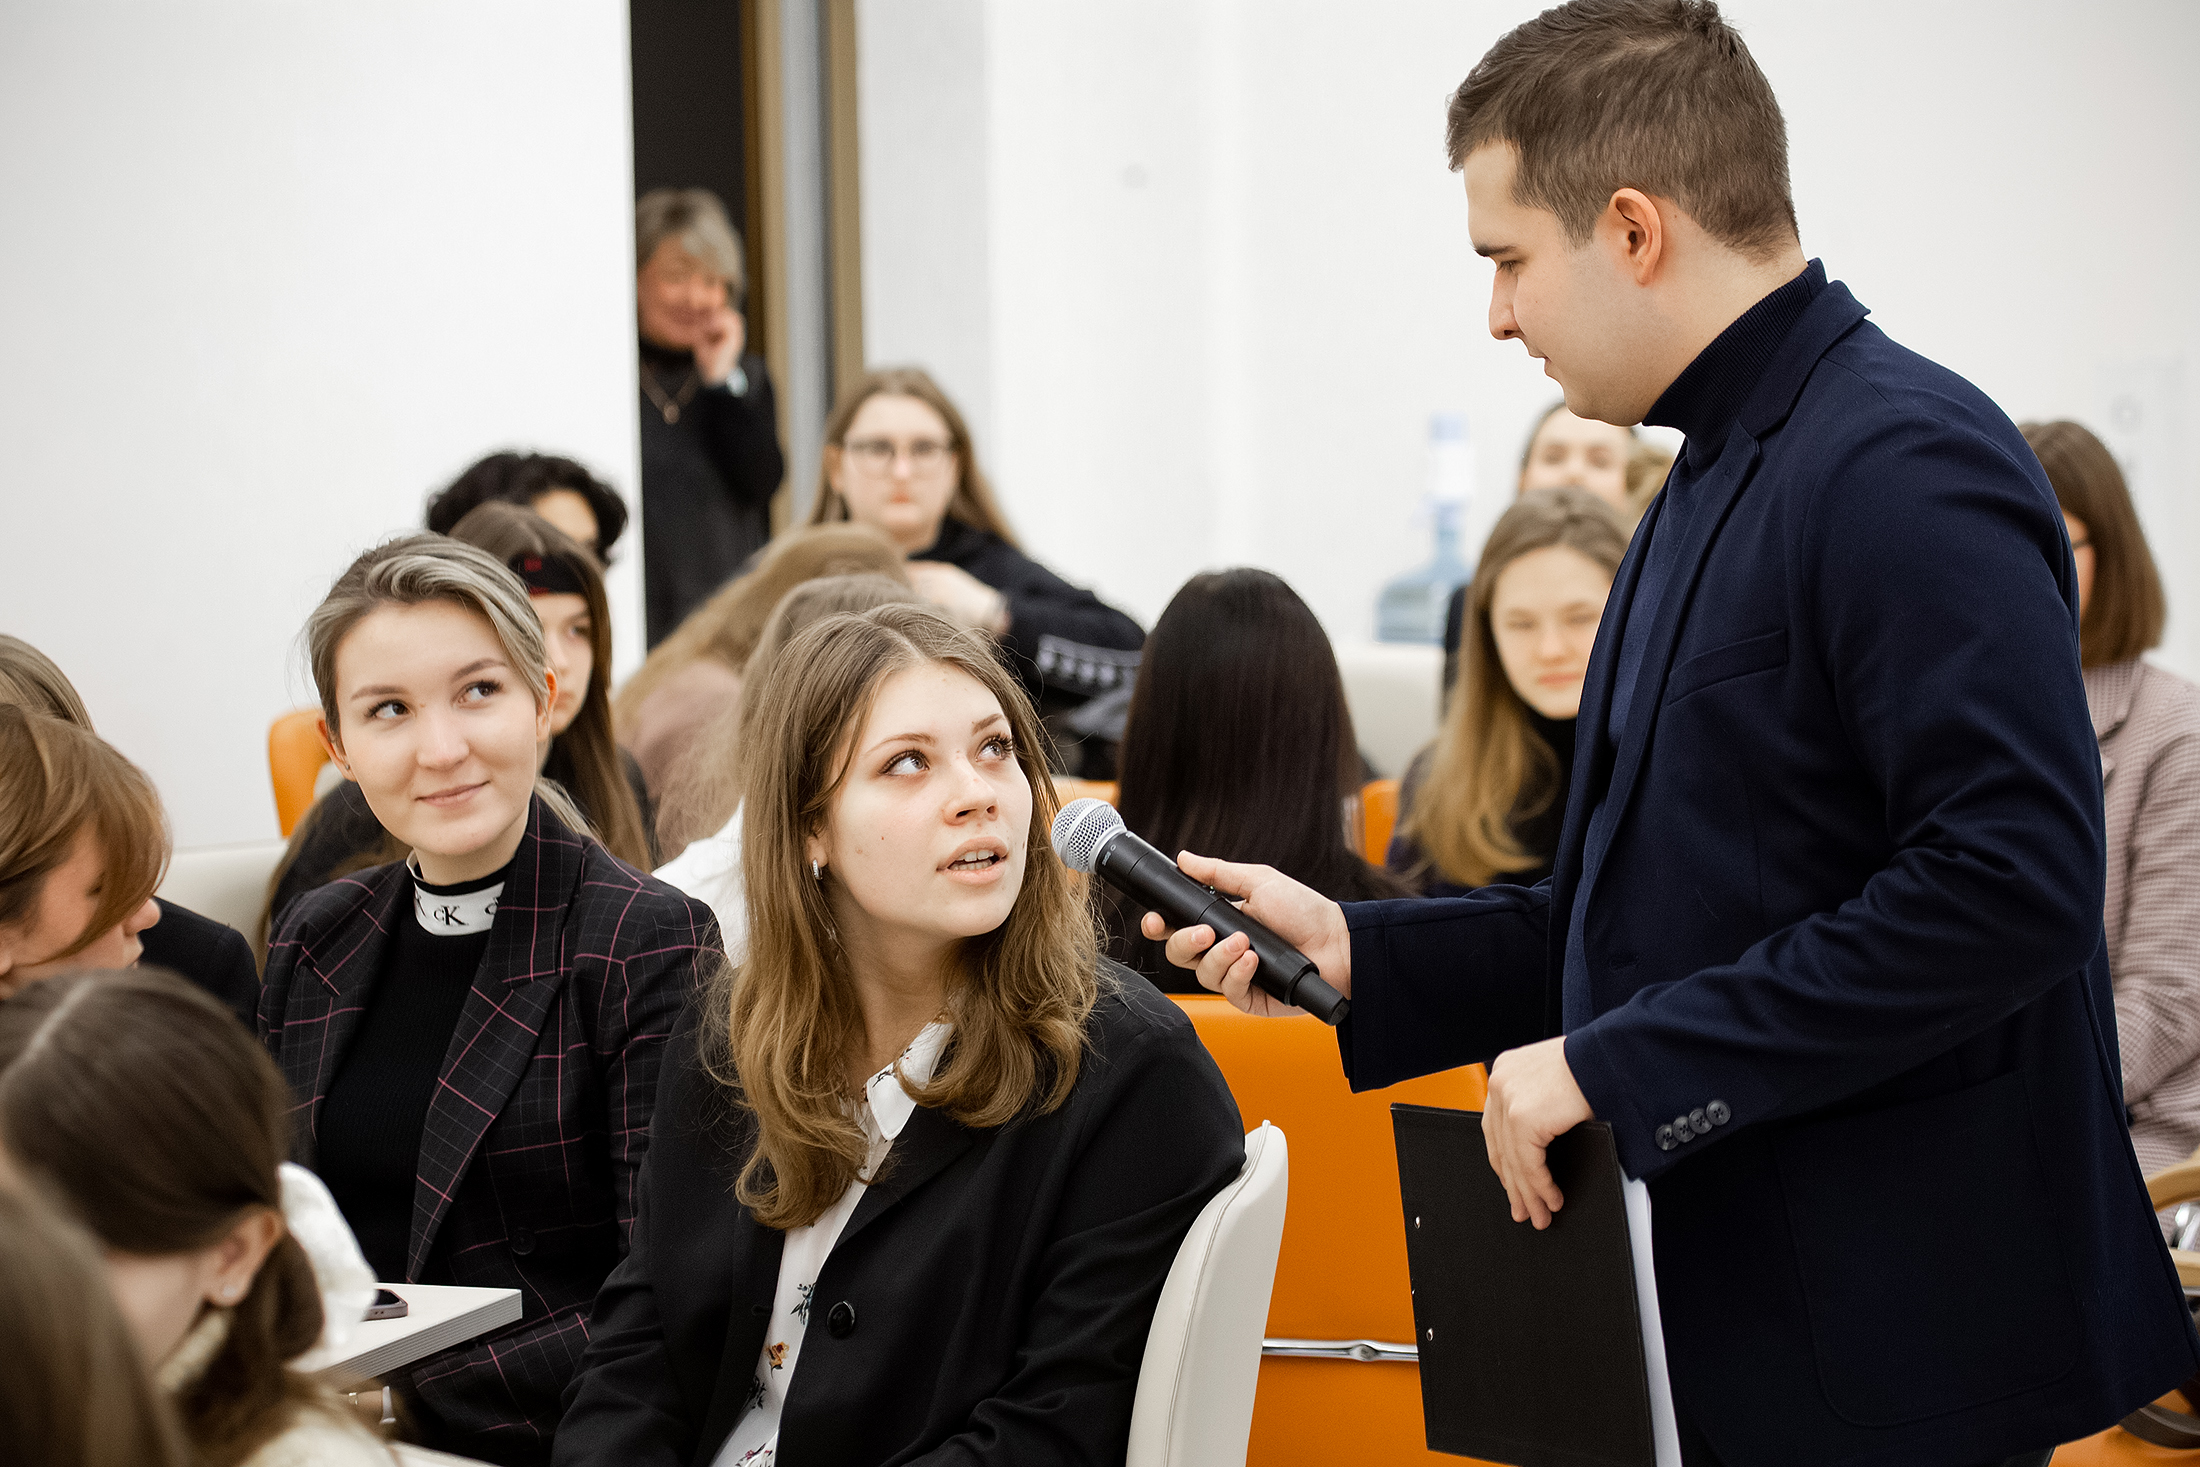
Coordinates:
[534,1140]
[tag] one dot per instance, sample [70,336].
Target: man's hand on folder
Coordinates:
[1533,1100]
[1298,914]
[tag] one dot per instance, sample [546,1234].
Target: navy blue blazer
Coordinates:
[1845,1001]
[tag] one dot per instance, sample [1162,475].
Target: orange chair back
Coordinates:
[1378,818]
[294,759]
[1342,1273]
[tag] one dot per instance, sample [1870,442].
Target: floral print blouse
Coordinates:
[883,1111]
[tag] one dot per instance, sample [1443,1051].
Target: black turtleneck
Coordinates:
[1703,403]
[707,480]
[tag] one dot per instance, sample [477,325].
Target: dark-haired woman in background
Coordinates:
[710,431]
[1485,804]
[588,510]
[2148,722]
[1239,740]
[898,457]
[143,1108]
[340,835]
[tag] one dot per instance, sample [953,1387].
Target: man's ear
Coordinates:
[329,742]
[1634,230]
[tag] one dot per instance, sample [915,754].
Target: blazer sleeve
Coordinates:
[1443,982]
[742,435]
[1165,1141]
[624,1403]
[2157,975]
[1936,591]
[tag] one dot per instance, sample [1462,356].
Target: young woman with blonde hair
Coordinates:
[962,1148]
[694,675]
[1485,803]
[899,458]
[473,1035]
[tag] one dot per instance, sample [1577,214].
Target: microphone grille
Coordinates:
[1081,829]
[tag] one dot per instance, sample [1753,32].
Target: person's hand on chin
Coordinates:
[1533,1100]
[718,345]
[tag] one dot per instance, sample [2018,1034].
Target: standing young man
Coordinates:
[1823,943]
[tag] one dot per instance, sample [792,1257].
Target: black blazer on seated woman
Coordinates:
[536,1121]
[987,1302]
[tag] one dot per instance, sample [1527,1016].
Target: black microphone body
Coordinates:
[1142,873]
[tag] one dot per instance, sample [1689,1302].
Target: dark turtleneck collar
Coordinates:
[1711,390]
[1559,734]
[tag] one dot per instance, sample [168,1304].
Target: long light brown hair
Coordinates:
[585,758]
[2125,612]
[1490,767]
[30,679]
[725,627]
[56,779]
[973,503]
[708,785]
[782,1025]
[158,1121]
[75,1392]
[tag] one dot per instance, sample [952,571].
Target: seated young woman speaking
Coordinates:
[921,1165]
[473,1034]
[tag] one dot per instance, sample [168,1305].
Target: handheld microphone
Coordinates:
[1090,837]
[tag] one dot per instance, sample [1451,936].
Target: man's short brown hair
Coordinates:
[2126,609]
[1658,95]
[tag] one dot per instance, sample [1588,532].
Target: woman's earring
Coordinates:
[229,1293]
[817,872]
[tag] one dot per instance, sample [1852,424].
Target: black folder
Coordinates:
[1532,1343]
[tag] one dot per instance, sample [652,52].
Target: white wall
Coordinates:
[272,272]
[1223,277]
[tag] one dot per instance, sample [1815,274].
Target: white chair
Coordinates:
[1393,689]
[227,883]
[1195,1387]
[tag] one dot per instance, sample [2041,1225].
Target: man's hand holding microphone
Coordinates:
[1532,1095]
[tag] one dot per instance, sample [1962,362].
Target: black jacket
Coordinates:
[999,1283]
[211,954]
[1064,642]
[707,485]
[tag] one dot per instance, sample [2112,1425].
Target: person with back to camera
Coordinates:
[340,834]
[925,1158]
[1239,742]
[76,1392]
[211,954]
[710,429]
[138,1104]
[693,677]
[2148,722]
[472,1035]
[1823,941]
[898,457]
[1484,802]
[584,508]
[709,870]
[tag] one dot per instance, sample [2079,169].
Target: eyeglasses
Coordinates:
[927,456]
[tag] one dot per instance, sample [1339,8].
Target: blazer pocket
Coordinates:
[1930,1259]
[1723,664]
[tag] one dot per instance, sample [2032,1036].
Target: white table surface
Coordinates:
[442,1315]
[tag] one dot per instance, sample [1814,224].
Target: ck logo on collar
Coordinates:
[459,914]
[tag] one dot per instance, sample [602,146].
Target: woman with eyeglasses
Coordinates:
[898,458]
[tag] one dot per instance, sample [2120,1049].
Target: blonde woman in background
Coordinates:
[1485,803]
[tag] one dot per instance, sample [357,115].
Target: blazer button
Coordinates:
[1718,1112]
[1681,1128]
[1666,1139]
[523,1242]
[841,1323]
[1699,1122]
